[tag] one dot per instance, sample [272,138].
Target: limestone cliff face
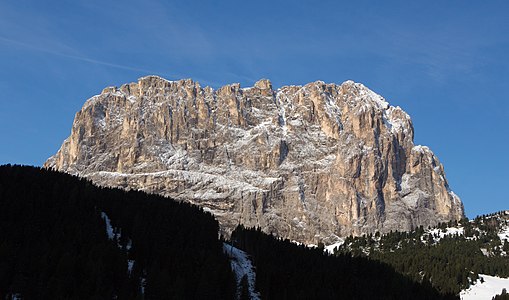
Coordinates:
[309,163]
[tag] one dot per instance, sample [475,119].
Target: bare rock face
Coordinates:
[309,163]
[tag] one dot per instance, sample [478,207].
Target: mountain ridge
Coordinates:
[310,163]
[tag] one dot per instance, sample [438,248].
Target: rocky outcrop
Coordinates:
[309,163]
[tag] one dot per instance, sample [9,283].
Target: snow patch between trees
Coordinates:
[439,234]
[110,231]
[330,249]
[242,266]
[109,228]
[504,235]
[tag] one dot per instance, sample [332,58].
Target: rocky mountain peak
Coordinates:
[263,84]
[309,163]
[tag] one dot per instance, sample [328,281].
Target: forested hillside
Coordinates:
[449,256]
[288,271]
[54,242]
[63,238]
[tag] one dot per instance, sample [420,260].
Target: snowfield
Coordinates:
[485,291]
[241,266]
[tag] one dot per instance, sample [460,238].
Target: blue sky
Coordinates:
[445,62]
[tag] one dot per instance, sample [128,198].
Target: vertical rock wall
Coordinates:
[309,163]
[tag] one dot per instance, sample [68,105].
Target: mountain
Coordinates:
[452,256]
[310,163]
[61,237]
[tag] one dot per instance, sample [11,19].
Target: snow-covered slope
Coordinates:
[242,266]
[485,290]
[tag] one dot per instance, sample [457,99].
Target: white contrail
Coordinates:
[76,57]
[108,64]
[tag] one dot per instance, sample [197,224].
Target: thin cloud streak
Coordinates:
[75,57]
[214,84]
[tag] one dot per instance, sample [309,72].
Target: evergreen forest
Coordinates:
[54,243]
[450,263]
[285,270]
[61,237]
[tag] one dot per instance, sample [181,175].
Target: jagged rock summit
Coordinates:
[310,163]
